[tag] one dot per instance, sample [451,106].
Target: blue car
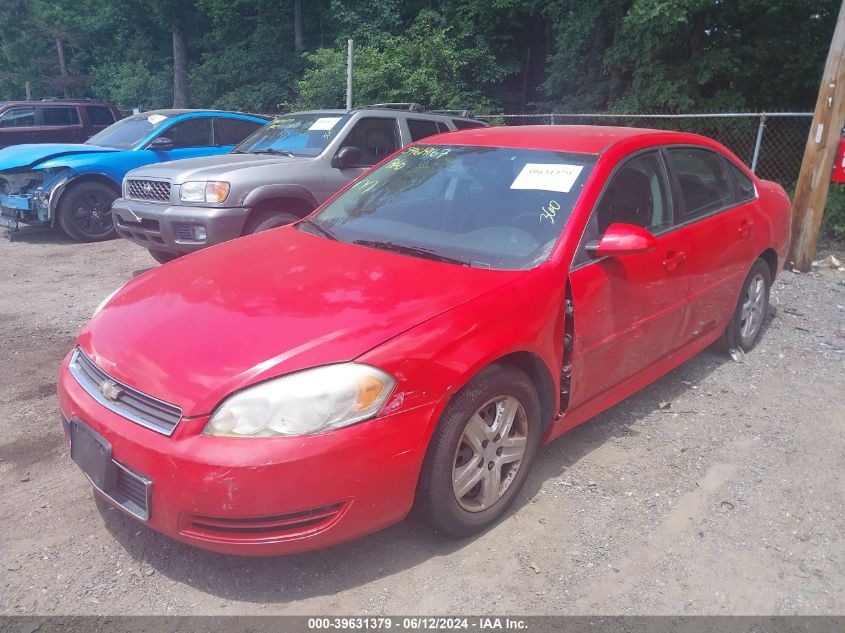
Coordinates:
[74,185]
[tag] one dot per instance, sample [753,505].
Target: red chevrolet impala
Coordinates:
[415,340]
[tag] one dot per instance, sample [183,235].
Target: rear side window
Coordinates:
[422,129]
[442,127]
[190,133]
[744,185]
[18,117]
[703,180]
[60,116]
[463,124]
[233,131]
[99,115]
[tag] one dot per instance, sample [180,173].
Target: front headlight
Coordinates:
[310,401]
[202,191]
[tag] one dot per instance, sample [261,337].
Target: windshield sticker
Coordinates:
[428,151]
[155,119]
[549,212]
[547,177]
[324,123]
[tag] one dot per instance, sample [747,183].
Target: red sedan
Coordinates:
[416,339]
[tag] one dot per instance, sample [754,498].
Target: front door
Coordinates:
[376,137]
[628,310]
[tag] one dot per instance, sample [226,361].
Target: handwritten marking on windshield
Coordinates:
[368,184]
[396,164]
[550,211]
[428,151]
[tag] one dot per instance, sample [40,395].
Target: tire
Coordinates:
[162,257]
[84,212]
[267,220]
[456,451]
[746,324]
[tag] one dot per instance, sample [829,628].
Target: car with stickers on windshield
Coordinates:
[415,340]
[276,176]
[73,185]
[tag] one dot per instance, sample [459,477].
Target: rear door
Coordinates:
[629,310]
[17,125]
[99,118]
[717,220]
[59,124]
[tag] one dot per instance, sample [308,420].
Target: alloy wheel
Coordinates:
[753,307]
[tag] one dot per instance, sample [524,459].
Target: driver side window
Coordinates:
[190,133]
[637,194]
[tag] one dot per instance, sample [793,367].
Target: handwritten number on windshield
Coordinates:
[550,211]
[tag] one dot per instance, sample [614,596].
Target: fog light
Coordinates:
[200,233]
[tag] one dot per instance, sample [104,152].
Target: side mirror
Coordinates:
[161,143]
[348,156]
[622,239]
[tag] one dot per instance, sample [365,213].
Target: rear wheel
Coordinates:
[162,257]
[480,453]
[267,220]
[84,212]
[746,324]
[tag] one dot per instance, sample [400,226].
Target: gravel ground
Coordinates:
[729,501]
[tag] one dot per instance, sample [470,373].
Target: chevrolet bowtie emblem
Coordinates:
[110,389]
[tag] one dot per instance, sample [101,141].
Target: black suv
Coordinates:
[54,120]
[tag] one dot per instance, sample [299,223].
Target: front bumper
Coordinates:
[15,208]
[263,496]
[172,228]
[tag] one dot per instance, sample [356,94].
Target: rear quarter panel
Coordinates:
[775,213]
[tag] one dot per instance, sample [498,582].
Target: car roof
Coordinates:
[578,139]
[381,110]
[39,102]
[171,112]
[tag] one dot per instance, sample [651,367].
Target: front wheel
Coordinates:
[480,452]
[269,220]
[84,212]
[746,324]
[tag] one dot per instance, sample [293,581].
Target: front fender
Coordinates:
[265,192]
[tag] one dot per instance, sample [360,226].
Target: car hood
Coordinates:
[193,331]
[29,156]
[211,167]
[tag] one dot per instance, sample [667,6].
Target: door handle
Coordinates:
[745,228]
[674,259]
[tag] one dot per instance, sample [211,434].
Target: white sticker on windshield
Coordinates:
[155,119]
[547,177]
[324,123]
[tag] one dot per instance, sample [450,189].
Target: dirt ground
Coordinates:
[729,501]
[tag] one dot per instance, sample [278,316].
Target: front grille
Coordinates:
[148,190]
[128,402]
[259,529]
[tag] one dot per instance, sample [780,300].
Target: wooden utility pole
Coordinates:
[814,179]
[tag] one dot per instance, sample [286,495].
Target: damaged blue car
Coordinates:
[73,186]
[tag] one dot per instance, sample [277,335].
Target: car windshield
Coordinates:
[489,207]
[128,132]
[296,134]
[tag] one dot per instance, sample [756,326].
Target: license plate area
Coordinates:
[121,485]
[92,453]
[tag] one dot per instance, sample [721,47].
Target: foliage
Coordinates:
[833,224]
[495,55]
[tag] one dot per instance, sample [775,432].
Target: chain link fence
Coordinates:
[771,144]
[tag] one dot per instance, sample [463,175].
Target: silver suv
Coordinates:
[281,173]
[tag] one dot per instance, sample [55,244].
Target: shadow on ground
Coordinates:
[403,546]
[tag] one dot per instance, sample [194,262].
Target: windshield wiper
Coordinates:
[274,152]
[417,251]
[321,229]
